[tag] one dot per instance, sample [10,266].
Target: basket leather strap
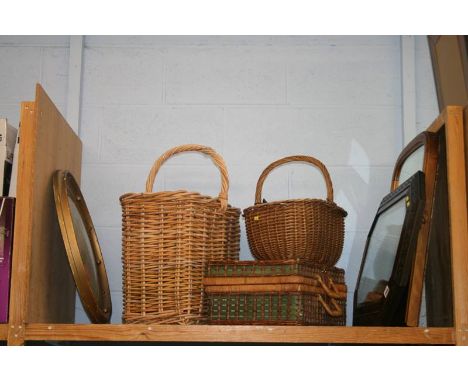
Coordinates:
[295,158]
[216,158]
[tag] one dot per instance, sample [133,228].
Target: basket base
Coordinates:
[267,308]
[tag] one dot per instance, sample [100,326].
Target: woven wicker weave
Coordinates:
[310,229]
[273,308]
[294,267]
[167,238]
[280,292]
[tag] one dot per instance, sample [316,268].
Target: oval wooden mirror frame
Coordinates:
[98,306]
[430,141]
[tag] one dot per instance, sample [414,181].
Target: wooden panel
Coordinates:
[3,332]
[221,333]
[448,54]
[452,118]
[458,212]
[438,278]
[52,291]
[42,286]
[465,133]
[23,219]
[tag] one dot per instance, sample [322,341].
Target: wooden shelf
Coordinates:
[221,333]
[3,332]
[42,288]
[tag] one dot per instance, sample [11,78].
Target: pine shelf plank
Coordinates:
[3,332]
[241,333]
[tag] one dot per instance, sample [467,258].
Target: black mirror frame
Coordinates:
[393,309]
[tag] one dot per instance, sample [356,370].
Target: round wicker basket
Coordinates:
[310,229]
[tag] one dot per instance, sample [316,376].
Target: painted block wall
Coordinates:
[426,97]
[253,99]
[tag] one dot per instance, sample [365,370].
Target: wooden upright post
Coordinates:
[21,261]
[458,219]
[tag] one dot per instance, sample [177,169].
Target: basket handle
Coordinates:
[215,157]
[333,292]
[335,312]
[295,158]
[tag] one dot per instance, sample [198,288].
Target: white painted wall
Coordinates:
[426,97]
[253,99]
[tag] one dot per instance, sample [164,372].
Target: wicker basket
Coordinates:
[266,268]
[302,228]
[274,308]
[167,238]
[274,292]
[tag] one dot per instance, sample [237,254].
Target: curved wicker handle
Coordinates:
[295,158]
[335,312]
[333,292]
[217,160]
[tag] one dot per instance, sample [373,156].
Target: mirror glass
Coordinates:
[86,249]
[412,164]
[381,253]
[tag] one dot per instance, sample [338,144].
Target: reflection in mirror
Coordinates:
[86,249]
[381,253]
[412,164]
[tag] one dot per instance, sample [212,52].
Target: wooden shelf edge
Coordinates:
[3,332]
[221,333]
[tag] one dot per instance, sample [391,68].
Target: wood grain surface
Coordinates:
[465,132]
[42,286]
[438,278]
[52,289]
[458,219]
[221,333]
[23,225]
[3,332]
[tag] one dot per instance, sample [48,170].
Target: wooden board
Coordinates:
[3,332]
[449,55]
[22,248]
[241,333]
[438,277]
[450,67]
[42,286]
[465,132]
[452,119]
[458,213]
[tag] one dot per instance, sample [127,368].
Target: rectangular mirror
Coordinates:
[382,287]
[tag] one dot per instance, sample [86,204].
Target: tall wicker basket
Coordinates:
[310,229]
[167,238]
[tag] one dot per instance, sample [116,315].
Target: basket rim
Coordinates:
[312,264]
[207,198]
[290,201]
